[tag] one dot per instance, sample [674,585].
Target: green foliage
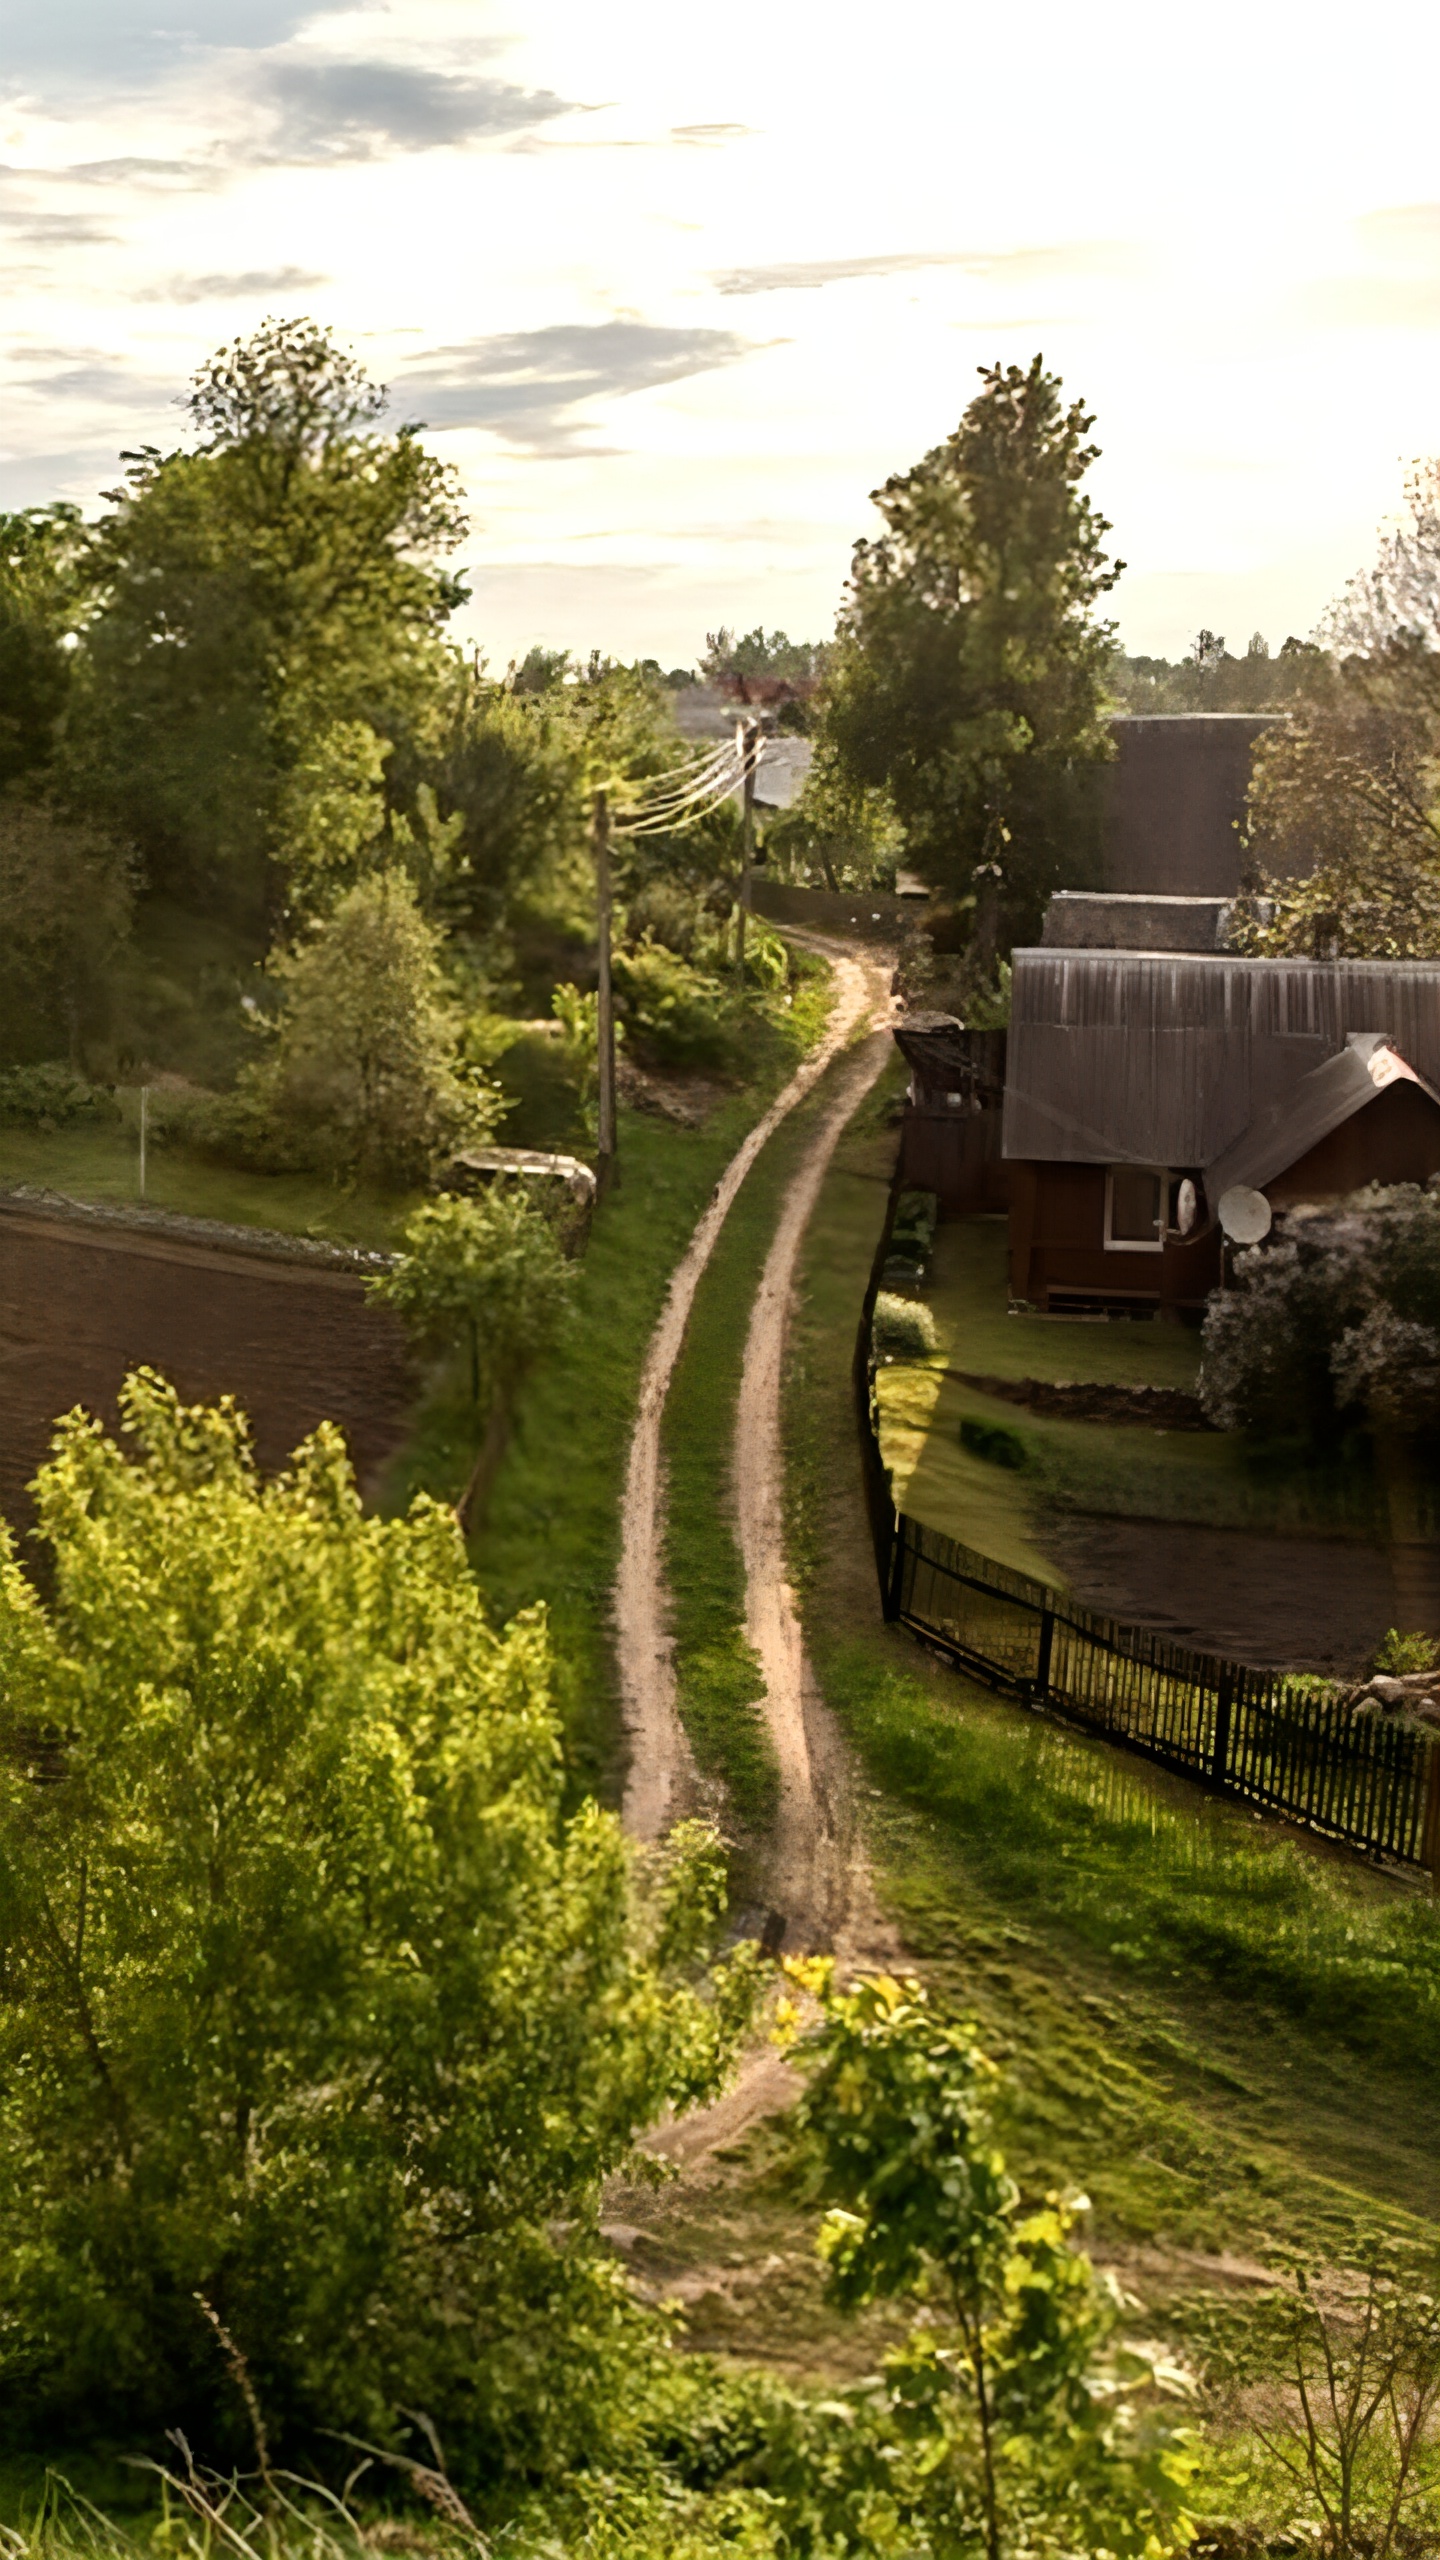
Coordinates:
[66,892]
[39,550]
[1397,1653]
[248,596]
[316,2005]
[903,1328]
[363,1075]
[1007,2423]
[762,653]
[1336,2384]
[968,679]
[49,1096]
[491,1269]
[1344,808]
[1339,1319]
[676,1014]
[991,1440]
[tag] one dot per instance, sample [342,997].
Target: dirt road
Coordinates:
[817,1878]
[663,1783]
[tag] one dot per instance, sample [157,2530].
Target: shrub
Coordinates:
[902,1329]
[1397,1653]
[51,1096]
[1338,1321]
[677,1015]
[318,2004]
[492,1270]
[992,1441]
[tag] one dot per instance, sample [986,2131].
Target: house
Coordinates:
[1149,1071]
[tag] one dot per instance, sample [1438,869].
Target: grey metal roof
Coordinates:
[1167,1058]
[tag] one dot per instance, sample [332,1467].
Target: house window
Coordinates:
[1137,1208]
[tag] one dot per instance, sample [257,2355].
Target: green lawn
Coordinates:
[102,1164]
[965,1290]
[1130,1470]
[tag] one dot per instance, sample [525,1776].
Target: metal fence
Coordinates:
[1271,1739]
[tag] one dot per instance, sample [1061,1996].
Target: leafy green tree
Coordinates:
[65,901]
[363,1075]
[490,1270]
[1344,808]
[321,2014]
[1007,2423]
[1209,678]
[39,593]
[247,596]
[968,682]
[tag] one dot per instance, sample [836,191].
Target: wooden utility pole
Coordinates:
[605,1007]
[747,739]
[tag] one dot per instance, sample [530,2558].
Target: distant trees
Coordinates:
[968,681]
[322,2015]
[1344,809]
[40,553]
[1209,678]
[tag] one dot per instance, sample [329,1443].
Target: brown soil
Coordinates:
[1283,1604]
[293,1346]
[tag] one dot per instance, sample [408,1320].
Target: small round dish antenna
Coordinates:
[1244,1214]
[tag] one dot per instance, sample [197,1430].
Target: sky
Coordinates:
[675,290]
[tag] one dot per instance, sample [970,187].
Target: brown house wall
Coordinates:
[1058,1252]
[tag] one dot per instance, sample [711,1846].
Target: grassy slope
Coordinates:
[1231,2037]
[552,1528]
[101,1165]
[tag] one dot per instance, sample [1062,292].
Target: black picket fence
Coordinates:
[1274,1741]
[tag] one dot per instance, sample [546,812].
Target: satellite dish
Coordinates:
[1185,1206]
[1244,1214]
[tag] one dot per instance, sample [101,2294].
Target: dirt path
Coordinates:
[818,1878]
[663,1784]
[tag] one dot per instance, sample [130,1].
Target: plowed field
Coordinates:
[294,1346]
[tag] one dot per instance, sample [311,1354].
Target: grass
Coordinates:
[1229,2035]
[966,1294]
[551,1531]
[1126,1470]
[101,1164]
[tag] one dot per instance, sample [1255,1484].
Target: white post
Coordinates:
[144,1099]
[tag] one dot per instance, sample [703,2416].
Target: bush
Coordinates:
[318,2005]
[1336,1323]
[901,1329]
[991,1440]
[677,1015]
[1397,1653]
[364,1076]
[51,1096]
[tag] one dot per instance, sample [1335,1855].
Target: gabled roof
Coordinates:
[1321,1102]
[1132,1057]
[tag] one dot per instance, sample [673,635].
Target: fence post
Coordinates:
[1224,1701]
[1040,1685]
[895,1584]
[1430,1848]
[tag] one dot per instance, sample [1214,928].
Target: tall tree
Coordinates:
[1344,808]
[283,577]
[39,591]
[969,675]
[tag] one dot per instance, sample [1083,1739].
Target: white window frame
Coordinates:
[1137,1244]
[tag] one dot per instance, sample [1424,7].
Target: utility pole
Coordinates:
[605,1006]
[747,739]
